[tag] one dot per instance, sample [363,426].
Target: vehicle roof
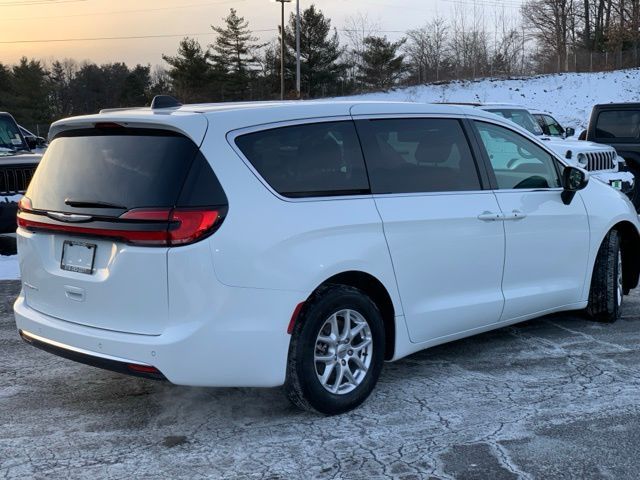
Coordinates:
[194,120]
[618,105]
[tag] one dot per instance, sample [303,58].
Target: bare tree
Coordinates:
[427,49]
[357,29]
[551,21]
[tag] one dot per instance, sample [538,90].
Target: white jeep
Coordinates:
[601,160]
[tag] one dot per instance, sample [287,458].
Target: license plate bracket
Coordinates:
[78,257]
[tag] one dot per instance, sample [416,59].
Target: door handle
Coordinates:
[487,216]
[515,215]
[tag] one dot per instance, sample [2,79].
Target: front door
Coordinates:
[443,230]
[547,242]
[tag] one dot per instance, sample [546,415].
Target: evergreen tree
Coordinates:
[191,74]
[320,52]
[137,86]
[234,56]
[382,66]
[29,94]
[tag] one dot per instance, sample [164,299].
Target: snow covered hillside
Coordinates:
[569,96]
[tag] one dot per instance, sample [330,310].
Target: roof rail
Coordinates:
[122,109]
[164,101]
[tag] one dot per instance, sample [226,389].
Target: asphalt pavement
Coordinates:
[556,397]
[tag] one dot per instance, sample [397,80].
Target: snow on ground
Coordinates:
[569,96]
[9,268]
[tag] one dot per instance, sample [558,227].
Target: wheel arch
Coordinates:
[378,293]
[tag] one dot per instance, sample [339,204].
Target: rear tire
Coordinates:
[607,290]
[336,351]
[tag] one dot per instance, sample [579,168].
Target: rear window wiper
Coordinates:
[90,204]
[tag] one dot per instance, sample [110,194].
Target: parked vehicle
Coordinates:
[17,165]
[602,162]
[550,126]
[618,125]
[304,243]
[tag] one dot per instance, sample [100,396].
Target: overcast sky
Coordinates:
[29,20]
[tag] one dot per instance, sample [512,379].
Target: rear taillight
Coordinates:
[24,204]
[144,227]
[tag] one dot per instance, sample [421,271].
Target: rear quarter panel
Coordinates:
[273,243]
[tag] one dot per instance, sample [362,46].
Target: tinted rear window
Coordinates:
[618,124]
[417,155]
[126,167]
[319,159]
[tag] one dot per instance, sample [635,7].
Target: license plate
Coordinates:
[78,257]
[617,184]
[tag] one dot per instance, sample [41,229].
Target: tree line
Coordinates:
[238,67]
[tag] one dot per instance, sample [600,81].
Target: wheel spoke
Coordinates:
[327,373]
[355,331]
[335,331]
[360,364]
[325,358]
[361,346]
[349,376]
[339,378]
[327,340]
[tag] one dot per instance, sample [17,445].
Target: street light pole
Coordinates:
[298,49]
[282,54]
[282,2]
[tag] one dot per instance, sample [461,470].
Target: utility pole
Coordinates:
[299,93]
[282,2]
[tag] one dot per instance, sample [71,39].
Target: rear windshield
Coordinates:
[520,117]
[124,168]
[618,124]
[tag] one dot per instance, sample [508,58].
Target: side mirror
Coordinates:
[569,132]
[573,179]
[41,142]
[32,142]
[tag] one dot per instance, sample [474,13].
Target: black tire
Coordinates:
[606,293]
[302,385]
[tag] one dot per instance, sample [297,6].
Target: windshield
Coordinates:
[520,116]
[10,139]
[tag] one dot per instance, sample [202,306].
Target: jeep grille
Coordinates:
[600,160]
[15,179]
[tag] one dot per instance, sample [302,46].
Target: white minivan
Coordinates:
[304,243]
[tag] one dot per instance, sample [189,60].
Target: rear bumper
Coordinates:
[105,362]
[243,342]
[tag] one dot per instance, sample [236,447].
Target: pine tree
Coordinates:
[382,66]
[191,74]
[234,56]
[320,52]
[29,97]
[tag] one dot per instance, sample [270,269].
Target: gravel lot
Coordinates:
[551,398]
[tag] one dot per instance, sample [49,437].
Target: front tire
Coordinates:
[336,351]
[634,194]
[607,289]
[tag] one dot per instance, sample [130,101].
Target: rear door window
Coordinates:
[117,167]
[319,159]
[618,124]
[417,155]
